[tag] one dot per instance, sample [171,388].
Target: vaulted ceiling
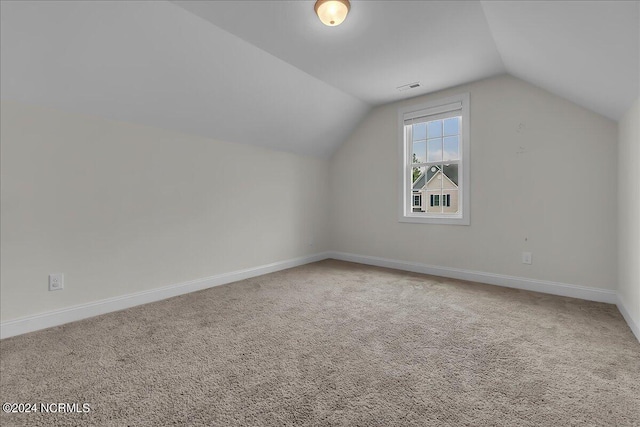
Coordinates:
[269,73]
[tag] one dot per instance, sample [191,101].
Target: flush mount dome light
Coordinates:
[332,12]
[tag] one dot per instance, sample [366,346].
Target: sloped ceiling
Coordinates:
[269,73]
[585,51]
[381,46]
[156,64]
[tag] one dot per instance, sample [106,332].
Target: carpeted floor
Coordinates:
[335,344]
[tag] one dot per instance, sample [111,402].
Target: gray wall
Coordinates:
[542,168]
[120,208]
[629,213]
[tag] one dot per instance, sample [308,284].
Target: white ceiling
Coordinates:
[381,45]
[156,64]
[269,73]
[585,51]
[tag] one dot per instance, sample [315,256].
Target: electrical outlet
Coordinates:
[526,257]
[56,282]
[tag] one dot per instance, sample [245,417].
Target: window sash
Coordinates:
[409,165]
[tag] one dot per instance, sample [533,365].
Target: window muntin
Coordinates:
[435,149]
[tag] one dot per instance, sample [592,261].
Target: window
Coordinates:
[434,151]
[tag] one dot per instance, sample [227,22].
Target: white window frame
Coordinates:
[434,109]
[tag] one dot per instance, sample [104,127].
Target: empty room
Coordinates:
[320,213]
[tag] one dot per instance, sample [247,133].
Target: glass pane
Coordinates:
[419,131]
[417,178]
[434,189]
[433,171]
[451,201]
[451,176]
[451,147]
[417,189]
[433,201]
[434,129]
[452,126]
[419,152]
[434,152]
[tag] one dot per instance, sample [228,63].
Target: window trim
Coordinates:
[434,108]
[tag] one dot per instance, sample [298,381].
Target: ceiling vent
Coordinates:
[408,86]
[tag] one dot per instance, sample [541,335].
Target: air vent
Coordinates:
[408,86]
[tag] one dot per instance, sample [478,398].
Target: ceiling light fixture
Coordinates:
[332,12]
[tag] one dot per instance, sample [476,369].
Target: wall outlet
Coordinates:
[56,282]
[526,257]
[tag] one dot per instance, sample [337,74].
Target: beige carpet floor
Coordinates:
[335,344]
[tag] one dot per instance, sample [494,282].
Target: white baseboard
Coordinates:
[554,288]
[547,287]
[59,317]
[634,324]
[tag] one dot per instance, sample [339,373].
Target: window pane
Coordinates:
[452,204]
[451,147]
[434,188]
[434,201]
[417,204]
[434,152]
[419,131]
[419,152]
[417,178]
[417,190]
[432,177]
[452,126]
[434,129]
[451,176]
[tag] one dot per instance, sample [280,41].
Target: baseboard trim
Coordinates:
[83,311]
[547,287]
[634,324]
[59,317]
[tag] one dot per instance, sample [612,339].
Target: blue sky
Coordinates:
[436,141]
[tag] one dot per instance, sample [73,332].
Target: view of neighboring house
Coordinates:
[436,190]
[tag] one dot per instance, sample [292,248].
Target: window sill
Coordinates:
[448,220]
